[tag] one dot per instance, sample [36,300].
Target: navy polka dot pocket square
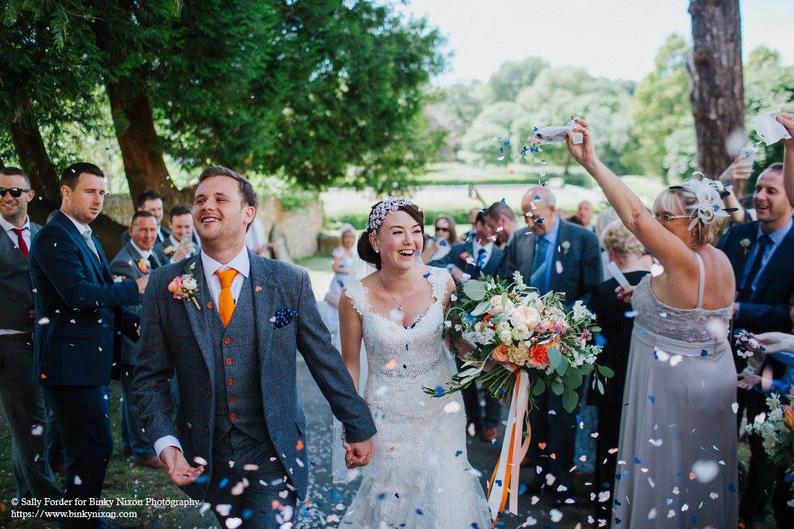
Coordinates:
[283,317]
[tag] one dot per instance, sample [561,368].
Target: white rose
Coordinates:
[520,332]
[524,316]
[189,283]
[503,326]
[506,337]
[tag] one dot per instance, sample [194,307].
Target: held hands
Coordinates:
[358,454]
[177,468]
[584,153]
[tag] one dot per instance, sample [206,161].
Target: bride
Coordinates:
[420,476]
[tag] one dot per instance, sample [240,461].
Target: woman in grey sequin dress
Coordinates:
[677,460]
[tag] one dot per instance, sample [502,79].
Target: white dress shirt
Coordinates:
[475,247]
[82,228]
[9,229]
[144,253]
[242,264]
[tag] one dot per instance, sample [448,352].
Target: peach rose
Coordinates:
[499,353]
[523,316]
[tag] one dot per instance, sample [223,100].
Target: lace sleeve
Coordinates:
[439,280]
[358,295]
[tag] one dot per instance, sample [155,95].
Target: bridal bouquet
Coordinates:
[777,431]
[524,345]
[514,329]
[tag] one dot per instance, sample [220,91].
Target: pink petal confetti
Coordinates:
[257,288]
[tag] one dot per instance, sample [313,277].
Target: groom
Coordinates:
[237,441]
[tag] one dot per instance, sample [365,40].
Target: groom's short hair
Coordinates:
[246,189]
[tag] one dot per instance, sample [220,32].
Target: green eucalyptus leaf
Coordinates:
[474,289]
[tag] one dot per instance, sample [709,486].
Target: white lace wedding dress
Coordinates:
[420,476]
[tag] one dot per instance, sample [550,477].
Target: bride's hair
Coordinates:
[376,216]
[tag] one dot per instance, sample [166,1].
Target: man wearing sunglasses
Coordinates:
[21,399]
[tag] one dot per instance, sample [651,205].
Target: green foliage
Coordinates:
[320,92]
[511,77]
[659,109]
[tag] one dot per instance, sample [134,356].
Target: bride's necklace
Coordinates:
[397,314]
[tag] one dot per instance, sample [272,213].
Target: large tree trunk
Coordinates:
[717,90]
[140,146]
[33,157]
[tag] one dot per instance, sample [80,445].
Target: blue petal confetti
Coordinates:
[651,399]
[703,352]
[439,391]
[223,483]
[419,512]
[458,453]
[731,487]
[637,461]
[382,496]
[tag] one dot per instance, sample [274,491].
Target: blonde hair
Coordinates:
[617,237]
[682,201]
[604,219]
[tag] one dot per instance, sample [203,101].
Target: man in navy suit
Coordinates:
[554,255]
[77,304]
[760,253]
[476,256]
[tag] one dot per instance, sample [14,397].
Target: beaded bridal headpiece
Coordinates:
[379,212]
[707,206]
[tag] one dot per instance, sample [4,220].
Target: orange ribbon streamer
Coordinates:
[504,478]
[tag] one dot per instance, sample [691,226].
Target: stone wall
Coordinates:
[300,227]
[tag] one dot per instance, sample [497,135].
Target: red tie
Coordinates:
[23,246]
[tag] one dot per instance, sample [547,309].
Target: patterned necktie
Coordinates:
[153,262]
[481,258]
[226,300]
[23,246]
[90,241]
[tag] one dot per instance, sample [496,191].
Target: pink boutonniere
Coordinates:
[143,265]
[185,286]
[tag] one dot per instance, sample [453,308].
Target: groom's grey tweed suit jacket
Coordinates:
[176,338]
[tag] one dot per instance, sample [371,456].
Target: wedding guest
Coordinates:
[584,215]
[135,260]
[21,399]
[735,178]
[781,346]
[445,236]
[470,259]
[502,221]
[625,251]
[77,312]
[182,242]
[466,260]
[604,219]
[343,263]
[680,368]
[152,202]
[562,257]
[760,253]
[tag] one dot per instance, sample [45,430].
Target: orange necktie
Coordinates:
[226,300]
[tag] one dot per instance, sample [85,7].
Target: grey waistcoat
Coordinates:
[16,287]
[238,397]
